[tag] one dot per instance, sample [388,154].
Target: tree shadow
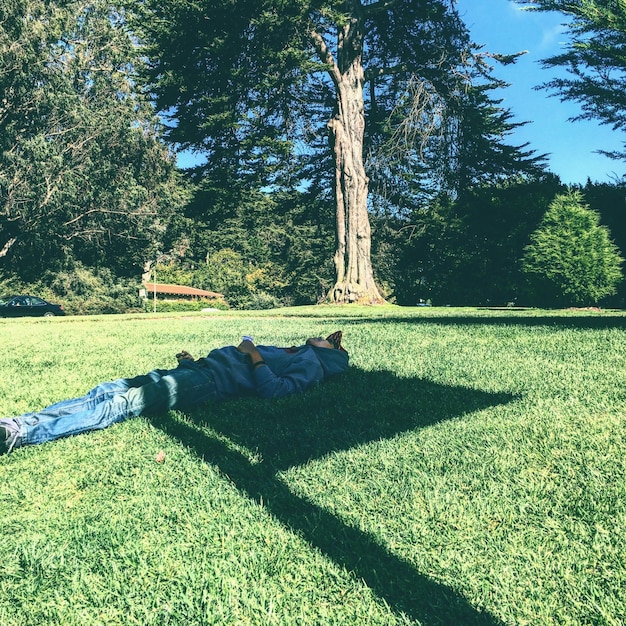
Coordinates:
[598,321]
[357,408]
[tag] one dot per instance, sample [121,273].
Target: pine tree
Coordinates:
[82,169]
[571,260]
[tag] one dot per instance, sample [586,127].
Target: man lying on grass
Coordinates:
[229,372]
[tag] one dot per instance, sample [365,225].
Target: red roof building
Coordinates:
[180,290]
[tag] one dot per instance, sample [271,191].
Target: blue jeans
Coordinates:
[116,401]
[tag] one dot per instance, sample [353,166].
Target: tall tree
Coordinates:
[82,170]
[247,80]
[593,58]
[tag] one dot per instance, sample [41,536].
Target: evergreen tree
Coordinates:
[571,260]
[594,59]
[248,81]
[467,250]
[83,173]
[609,199]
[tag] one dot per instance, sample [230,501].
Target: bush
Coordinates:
[259,300]
[89,291]
[180,306]
[571,260]
[82,291]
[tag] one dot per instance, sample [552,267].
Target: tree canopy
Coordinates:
[263,89]
[311,117]
[593,58]
[81,161]
[571,260]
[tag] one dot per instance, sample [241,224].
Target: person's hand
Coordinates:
[246,346]
[184,356]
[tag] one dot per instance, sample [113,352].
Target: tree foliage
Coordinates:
[82,170]
[467,250]
[258,88]
[609,199]
[466,146]
[571,259]
[278,247]
[261,91]
[593,58]
[478,153]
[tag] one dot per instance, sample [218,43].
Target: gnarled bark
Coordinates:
[353,266]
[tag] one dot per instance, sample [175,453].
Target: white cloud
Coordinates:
[553,37]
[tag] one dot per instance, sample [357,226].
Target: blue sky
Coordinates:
[502,26]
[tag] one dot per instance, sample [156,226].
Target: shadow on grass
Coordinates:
[357,408]
[598,321]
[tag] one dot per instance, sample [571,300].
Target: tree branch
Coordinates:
[325,55]
[379,7]
[107,212]
[7,246]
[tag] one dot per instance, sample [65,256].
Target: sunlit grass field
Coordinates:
[470,468]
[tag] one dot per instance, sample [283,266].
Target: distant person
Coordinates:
[229,372]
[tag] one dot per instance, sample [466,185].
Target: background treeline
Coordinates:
[91,198]
[274,250]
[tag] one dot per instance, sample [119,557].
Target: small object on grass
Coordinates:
[247,338]
[160,456]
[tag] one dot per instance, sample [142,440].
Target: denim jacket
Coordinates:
[286,370]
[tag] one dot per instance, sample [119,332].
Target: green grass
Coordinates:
[470,468]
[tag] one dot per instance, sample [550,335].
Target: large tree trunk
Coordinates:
[355,276]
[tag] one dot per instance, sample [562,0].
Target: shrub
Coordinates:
[179,306]
[571,260]
[259,300]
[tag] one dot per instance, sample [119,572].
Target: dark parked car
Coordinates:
[22,306]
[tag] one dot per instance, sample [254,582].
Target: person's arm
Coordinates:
[183,355]
[247,347]
[302,372]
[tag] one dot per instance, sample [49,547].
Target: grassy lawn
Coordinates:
[470,468]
